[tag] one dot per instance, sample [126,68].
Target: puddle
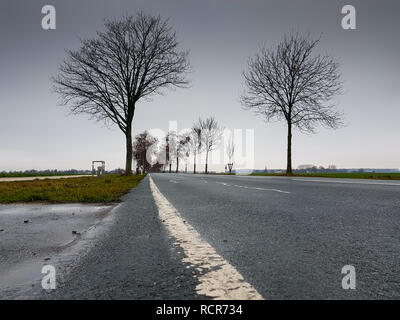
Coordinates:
[27,272]
[33,234]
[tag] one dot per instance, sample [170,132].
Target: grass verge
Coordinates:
[349,175]
[85,189]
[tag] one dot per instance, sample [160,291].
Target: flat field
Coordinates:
[348,175]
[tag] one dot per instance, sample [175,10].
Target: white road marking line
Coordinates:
[173,181]
[276,190]
[351,182]
[253,188]
[225,184]
[217,278]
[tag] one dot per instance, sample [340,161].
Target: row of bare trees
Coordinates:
[139,56]
[203,138]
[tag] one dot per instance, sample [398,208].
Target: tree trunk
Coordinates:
[129,152]
[166,155]
[289,150]
[194,164]
[144,160]
[170,167]
[177,164]
[206,162]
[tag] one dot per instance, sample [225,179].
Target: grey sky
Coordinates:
[36,133]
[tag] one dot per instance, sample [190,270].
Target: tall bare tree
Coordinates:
[170,148]
[291,83]
[211,136]
[181,148]
[196,143]
[230,152]
[133,58]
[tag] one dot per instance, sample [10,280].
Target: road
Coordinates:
[290,237]
[178,236]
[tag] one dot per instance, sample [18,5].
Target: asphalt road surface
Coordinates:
[291,237]
[276,237]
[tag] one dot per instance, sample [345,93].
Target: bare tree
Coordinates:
[143,149]
[159,163]
[196,143]
[211,135]
[170,147]
[133,58]
[166,146]
[230,152]
[290,83]
[181,149]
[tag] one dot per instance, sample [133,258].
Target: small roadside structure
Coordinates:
[100,170]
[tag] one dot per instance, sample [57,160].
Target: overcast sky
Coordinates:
[35,132]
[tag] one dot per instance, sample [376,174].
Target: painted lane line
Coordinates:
[276,190]
[253,188]
[235,185]
[225,184]
[351,182]
[173,181]
[217,278]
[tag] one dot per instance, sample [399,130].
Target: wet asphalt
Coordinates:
[30,234]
